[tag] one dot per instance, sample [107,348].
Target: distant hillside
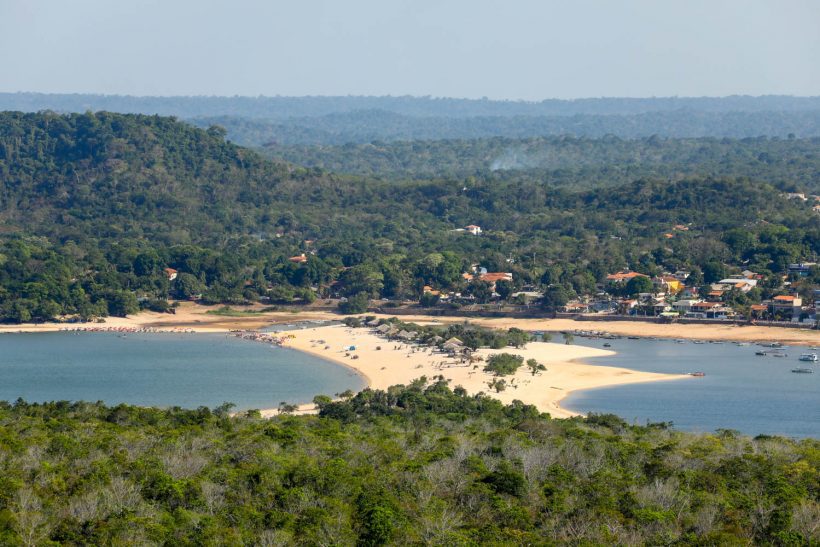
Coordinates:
[341,120]
[287,107]
[94,207]
[791,164]
[378,125]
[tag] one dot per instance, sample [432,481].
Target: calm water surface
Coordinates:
[755,395]
[187,370]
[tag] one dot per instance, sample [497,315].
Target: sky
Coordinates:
[510,49]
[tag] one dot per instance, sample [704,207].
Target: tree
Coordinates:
[480,290]
[504,288]
[568,337]
[355,304]
[639,284]
[713,272]
[503,364]
[555,297]
[187,286]
[535,367]
[428,300]
[517,337]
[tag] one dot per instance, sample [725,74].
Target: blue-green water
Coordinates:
[754,395]
[187,370]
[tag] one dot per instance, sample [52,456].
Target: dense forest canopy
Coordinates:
[792,164]
[417,464]
[364,126]
[95,207]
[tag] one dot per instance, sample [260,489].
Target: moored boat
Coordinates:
[802,370]
[811,357]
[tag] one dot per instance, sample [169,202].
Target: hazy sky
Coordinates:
[460,48]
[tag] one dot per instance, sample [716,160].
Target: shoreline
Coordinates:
[194,317]
[401,363]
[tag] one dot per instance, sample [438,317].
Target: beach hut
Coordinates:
[384,328]
[453,344]
[406,335]
[373,323]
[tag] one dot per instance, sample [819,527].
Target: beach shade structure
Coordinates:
[406,335]
[373,323]
[384,328]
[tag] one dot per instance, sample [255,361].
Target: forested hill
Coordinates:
[111,174]
[93,207]
[791,164]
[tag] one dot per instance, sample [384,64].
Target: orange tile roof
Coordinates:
[620,276]
[492,277]
[784,298]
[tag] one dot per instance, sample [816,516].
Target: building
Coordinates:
[624,276]
[710,310]
[685,306]
[170,273]
[803,269]
[301,259]
[668,284]
[493,277]
[786,307]
[743,284]
[473,229]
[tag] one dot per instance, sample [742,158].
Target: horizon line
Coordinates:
[410,96]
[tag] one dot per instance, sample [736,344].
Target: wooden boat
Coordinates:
[802,370]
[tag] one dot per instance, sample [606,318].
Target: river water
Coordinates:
[741,391]
[187,370]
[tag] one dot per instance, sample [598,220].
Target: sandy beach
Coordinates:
[196,317]
[400,363]
[385,363]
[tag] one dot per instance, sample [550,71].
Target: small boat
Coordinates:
[698,374]
[811,357]
[610,345]
[780,354]
[698,342]
[802,370]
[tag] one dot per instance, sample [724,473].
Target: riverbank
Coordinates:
[196,318]
[727,333]
[385,363]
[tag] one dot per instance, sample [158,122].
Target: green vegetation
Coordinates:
[567,161]
[503,364]
[96,207]
[228,311]
[419,464]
